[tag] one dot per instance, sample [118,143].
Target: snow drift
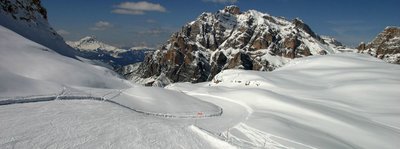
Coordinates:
[334,101]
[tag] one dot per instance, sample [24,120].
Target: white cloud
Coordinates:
[63,32]
[222,1]
[137,8]
[101,26]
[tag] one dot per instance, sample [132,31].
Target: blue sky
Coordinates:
[126,23]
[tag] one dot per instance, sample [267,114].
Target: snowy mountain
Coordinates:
[29,19]
[229,39]
[90,43]
[91,48]
[385,46]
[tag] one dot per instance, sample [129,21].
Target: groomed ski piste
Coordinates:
[345,100]
[112,97]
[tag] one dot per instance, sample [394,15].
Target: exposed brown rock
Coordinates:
[234,62]
[385,46]
[361,47]
[240,60]
[304,52]
[260,44]
[322,52]
[232,9]
[257,65]
[291,43]
[290,53]
[219,41]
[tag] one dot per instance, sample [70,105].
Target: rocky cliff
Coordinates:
[29,19]
[385,46]
[230,39]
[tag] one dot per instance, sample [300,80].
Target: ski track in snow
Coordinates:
[258,138]
[91,124]
[62,96]
[207,131]
[261,139]
[214,140]
[217,143]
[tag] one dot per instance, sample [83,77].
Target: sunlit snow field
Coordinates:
[334,101]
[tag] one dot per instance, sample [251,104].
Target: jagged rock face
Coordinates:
[30,10]
[385,46]
[332,42]
[29,19]
[231,39]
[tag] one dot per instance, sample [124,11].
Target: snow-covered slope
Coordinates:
[29,19]
[335,101]
[28,68]
[23,60]
[95,124]
[231,39]
[30,72]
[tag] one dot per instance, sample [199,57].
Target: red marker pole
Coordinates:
[199,115]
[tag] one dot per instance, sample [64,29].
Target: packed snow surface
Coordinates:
[29,68]
[162,101]
[335,101]
[90,124]
[127,117]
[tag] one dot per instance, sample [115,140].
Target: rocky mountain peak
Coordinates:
[392,29]
[389,33]
[232,9]
[385,46]
[298,23]
[231,39]
[88,39]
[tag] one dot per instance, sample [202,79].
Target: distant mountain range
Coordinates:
[90,43]
[90,48]
[29,19]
